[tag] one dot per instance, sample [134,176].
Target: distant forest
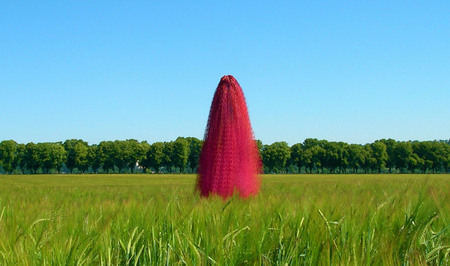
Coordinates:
[182,155]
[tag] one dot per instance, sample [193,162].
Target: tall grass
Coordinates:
[156,220]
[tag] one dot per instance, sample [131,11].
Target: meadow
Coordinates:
[158,219]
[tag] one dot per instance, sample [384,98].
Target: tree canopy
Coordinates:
[182,155]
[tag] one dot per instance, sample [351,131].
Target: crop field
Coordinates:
[158,219]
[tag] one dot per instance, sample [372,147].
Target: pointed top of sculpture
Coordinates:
[227,79]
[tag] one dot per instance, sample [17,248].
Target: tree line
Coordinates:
[182,155]
[381,156]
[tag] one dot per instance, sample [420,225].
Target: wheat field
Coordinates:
[159,219]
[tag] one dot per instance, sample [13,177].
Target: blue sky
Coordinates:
[353,71]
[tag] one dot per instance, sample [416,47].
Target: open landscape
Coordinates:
[224,133]
[159,219]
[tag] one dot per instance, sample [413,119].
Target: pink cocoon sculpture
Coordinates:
[229,161]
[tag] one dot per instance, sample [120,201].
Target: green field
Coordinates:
[158,219]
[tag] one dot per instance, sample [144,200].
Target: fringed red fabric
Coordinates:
[229,162]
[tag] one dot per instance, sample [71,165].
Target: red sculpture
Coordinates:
[229,161]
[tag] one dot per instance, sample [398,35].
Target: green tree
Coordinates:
[390,149]
[68,146]
[195,148]
[379,153]
[314,154]
[51,156]
[31,157]
[275,156]
[343,156]
[93,157]
[370,163]
[19,160]
[330,158]
[447,156]
[168,156]
[414,162]
[81,150]
[143,161]
[297,155]
[423,151]
[439,155]
[402,154]
[356,157]
[180,154]
[76,158]
[133,153]
[120,153]
[106,154]
[8,150]
[336,156]
[155,156]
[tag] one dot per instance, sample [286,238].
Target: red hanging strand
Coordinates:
[229,162]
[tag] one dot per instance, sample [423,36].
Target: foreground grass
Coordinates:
[296,219]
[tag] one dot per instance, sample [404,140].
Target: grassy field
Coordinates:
[154,219]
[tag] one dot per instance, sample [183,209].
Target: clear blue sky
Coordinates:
[353,71]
